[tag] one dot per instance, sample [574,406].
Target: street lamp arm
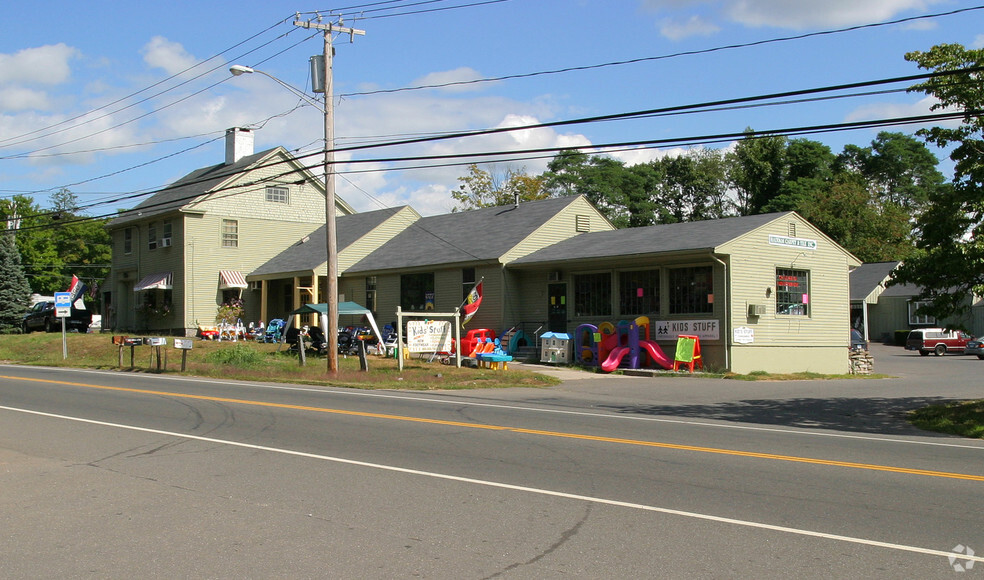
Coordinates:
[238,70]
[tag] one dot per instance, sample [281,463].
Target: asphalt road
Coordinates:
[115,475]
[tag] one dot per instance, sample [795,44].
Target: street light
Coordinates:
[331,290]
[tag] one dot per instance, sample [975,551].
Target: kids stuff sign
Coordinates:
[671,329]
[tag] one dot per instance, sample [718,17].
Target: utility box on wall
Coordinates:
[555,347]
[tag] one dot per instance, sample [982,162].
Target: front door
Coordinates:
[557,307]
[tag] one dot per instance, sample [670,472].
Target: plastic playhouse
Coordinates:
[623,345]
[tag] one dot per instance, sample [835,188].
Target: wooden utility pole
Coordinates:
[331,288]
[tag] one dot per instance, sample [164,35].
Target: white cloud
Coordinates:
[794,14]
[23,99]
[693,26]
[803,15]
[44,65]
[169,56]
[978,41]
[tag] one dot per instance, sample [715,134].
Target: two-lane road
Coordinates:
[121,475]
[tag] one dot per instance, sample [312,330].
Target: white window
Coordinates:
[230,233]
[166,235]
[278,195]
[792,292]
[152,236]
[919,319]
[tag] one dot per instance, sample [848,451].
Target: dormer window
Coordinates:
[278,195]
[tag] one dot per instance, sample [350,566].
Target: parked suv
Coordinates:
[938,341]
[42,317]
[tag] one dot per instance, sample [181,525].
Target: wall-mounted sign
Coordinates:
[744,335]
[671,329]
[801,243]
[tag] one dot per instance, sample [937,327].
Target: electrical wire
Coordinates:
[665,56]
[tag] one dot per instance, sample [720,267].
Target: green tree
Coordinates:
[15,292]
[948,266]
[899,168]
[481,188]
[693,187]
[756,169]
[56,243]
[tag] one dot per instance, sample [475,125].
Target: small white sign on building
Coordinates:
[801,243]
[671,329]
[744,335]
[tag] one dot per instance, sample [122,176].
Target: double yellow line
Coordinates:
[693,448]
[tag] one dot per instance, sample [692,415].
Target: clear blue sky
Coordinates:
[72,114]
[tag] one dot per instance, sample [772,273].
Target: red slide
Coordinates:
[656,353]
[615,358]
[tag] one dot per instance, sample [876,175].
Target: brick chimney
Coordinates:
[239,144]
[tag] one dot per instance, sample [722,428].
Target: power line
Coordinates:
[665,56]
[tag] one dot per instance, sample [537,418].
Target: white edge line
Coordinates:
[512,487]
[803,432]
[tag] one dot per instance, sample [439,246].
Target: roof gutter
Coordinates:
[727,330]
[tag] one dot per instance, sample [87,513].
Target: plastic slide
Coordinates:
[656,353]
[614,359]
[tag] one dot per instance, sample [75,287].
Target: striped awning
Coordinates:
[157,281]
[231,279]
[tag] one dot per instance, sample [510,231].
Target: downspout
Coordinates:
[727,329]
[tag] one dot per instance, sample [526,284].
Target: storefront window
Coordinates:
[792,292]
[691,290]
[417,291]
[638,293]
[593,294]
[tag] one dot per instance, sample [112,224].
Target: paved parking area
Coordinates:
[860,405]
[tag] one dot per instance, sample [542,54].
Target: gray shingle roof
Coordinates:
[469,236]
[311,254]
[866,278]
[702,235]
[183,191]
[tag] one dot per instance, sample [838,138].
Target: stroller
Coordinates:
[314,340]
[274,330]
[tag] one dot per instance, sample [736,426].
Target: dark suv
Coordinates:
[42,317]
[938,341]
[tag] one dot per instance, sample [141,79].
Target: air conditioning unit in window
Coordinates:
[165,242]
[756,309]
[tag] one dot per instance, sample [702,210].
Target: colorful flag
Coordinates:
[472,302]
[77,291]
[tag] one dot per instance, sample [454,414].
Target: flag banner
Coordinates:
[77,291]
[472,303]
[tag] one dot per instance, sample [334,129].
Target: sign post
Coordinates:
[63,309]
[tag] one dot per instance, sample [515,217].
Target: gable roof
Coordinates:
[187,190]
[478,235]
[867,278]
[679,237]
[310,252]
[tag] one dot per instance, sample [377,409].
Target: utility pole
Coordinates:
[331,289]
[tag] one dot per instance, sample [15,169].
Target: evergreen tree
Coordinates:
[15,293]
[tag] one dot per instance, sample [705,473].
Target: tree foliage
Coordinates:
[949,265]
[60,242]
[15,293]
[489,188]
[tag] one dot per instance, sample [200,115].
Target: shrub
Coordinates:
[239,355]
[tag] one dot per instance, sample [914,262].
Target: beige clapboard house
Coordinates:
[184,251]
[766,292]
